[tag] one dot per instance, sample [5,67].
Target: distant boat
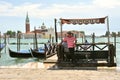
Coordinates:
[2,45]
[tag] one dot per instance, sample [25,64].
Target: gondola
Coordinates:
[20,54]
[30,53]
[44,52]
[51,51]
[38,53]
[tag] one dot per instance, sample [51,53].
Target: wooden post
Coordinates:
[18,41]
[5,41]
[56,37]
[50,37]
[108,30]
[109,51]
[36,45]
[115,43]
[61,30]
[93,41]
[82,40]
[33,41]
[0,43]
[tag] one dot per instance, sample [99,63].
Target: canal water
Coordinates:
[6,60]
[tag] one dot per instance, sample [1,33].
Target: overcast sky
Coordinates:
[13,14]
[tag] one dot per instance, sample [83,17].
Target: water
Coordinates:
[6,60]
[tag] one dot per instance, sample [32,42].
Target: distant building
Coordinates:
[77,34]
[27,24]
[42,32]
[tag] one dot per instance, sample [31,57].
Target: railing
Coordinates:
[92,46]
[96,51]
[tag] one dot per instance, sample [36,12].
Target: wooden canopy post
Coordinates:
[110,47]
[108,30]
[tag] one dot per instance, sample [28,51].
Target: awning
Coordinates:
[83,21]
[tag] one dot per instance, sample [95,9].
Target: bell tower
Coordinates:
[27,24]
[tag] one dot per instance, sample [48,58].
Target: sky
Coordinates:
[13,14]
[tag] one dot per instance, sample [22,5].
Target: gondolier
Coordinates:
[71,41]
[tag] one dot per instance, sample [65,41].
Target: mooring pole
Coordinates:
[61,29]
[36,43]
[115,43]
[0,43]
[18,41]
[5,41]
[93,41]
[56,37]
[50,37]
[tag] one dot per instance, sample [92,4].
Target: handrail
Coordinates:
[96,45]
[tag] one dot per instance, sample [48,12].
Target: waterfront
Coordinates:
[6,60]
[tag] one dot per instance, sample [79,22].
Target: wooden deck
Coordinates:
[52,61]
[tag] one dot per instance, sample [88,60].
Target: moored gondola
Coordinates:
[38,53]
[20,54]
[41,53]
[44,52]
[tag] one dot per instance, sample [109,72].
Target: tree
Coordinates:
[119,34]
[113,34]
[19,32]
[107,33]
[12,34]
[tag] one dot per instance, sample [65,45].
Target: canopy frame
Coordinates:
[86,22]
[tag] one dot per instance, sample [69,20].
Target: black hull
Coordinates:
[33,53]
[50,55]
[19,54]
[37,54]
